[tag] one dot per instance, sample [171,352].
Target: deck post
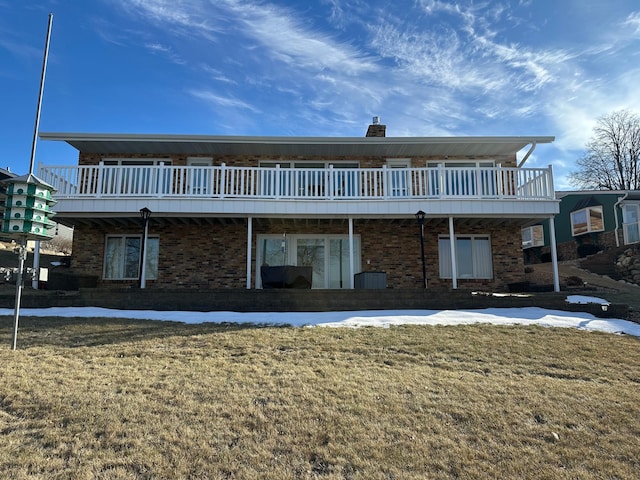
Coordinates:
[454,262]
[249,235]
[351,273]
[554,254]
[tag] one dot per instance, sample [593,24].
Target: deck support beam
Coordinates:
[249,237]
[351,259]
[554,254]
[454,262]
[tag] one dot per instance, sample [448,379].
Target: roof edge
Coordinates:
[135,137]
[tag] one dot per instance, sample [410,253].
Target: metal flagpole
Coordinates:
[22,255]
[36,129]
[44,70]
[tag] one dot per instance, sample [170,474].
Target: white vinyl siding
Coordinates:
[473,256]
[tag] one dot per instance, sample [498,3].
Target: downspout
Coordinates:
[615,215]
[528,154]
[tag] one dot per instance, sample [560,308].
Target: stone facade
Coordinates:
[569,250]
[628,265]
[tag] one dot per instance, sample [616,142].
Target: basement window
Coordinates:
[533,236]
[122,257]
[473,256]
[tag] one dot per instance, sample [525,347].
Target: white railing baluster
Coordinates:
[223,180]
[101,172]
[330,183]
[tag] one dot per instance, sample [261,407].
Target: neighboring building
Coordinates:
[588,221]
[224,206]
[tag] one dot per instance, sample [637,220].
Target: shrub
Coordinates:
[574,281]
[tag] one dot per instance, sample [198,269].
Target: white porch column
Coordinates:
[454,262]
[554,254]
[249,235]
[351,262]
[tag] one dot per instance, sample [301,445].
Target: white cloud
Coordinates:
[226,102]
[184,13]
[633,21]
[218,75]
[166,51]
[22,50]
[455,70]
[286,39]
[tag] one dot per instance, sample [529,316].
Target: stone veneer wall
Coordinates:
[628,264]
[569,250]
[214,256]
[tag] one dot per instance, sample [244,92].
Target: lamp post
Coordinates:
[420,219]
[145,214]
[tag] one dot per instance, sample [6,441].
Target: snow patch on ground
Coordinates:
[366,318]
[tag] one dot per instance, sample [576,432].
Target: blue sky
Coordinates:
[318,68]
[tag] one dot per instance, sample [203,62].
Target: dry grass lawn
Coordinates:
[125,399]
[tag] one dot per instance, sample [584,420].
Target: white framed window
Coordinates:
[461,163]
[631,223]
[122,257]
[199,176]
[399,179]
[308,178]
[533,236]
[141,176]
[473,256]
[463,177]
[587,220]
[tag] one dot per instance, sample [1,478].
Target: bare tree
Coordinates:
[612,158]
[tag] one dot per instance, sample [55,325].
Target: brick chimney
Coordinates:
[375,129]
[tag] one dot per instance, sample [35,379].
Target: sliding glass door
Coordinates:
[327,255]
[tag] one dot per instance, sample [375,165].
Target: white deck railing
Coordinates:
[332,183]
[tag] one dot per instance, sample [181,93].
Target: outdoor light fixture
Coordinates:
[420,219]
[145,214]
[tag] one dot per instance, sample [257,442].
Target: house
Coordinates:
[588,221]
[223,207]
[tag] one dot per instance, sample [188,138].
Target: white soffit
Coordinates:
[109,144]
